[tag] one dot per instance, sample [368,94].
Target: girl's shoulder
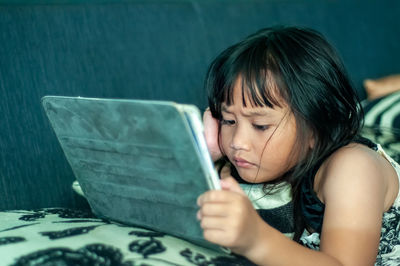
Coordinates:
[356,167]
[353,158]
[354,155]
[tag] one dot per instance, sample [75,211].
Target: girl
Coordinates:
[282,109]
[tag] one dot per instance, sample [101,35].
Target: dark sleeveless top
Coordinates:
[310,205]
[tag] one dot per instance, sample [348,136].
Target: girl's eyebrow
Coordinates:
[252,113]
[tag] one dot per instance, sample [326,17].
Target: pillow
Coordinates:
[382,122]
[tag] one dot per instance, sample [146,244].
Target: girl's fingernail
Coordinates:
[198,201]
[198,215]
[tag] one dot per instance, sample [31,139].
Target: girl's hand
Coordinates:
[211,135]
[229,219]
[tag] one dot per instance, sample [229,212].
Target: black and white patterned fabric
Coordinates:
[382,123]
[275,207]
[70,237]
[57,236]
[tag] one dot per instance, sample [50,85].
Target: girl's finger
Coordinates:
[200,200]
[231,184]
[212,196]
[212,223]
[216,236]
[214,209]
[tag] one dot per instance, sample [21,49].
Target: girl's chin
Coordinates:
[250,176]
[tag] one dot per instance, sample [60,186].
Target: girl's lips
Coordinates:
[242,162]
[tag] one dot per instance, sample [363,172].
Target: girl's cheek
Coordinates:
[224,138]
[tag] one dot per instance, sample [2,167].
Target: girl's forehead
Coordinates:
[251,100]
[255,93]
[250,111]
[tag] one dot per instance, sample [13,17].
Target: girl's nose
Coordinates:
[240,140]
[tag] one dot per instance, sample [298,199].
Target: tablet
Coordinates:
[138,162]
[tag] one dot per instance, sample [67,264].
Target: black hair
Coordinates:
[299,66]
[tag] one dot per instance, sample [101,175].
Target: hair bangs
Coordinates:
[257,79]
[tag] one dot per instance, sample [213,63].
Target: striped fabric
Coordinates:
[382,123]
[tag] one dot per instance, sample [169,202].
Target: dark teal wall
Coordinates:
[149,50]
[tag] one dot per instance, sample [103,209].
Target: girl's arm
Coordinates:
[356,184]
[353,190]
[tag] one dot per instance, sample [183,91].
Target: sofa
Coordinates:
[127,49]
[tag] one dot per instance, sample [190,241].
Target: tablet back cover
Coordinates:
[134,159]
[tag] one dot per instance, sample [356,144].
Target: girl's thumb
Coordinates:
[231,184]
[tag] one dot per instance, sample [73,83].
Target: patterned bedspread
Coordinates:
[71,237]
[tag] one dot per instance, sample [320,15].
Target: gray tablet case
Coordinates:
[137,161]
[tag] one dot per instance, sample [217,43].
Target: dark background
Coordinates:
[147,50]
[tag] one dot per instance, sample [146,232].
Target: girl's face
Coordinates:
[258,141]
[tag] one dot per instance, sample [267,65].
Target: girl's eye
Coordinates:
[227,122]
[261,127]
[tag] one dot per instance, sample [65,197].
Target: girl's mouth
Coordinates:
[239,162]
